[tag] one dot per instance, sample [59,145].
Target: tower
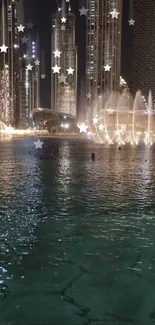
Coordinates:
[29,79]
[64,55]
[9,62]
[103,49]
[142,50]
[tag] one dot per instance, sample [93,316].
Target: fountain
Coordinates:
[123,120]
[4,129]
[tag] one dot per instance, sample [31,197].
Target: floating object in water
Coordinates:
[93,155]
[119,148]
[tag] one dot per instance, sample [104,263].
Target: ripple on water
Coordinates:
[80,233]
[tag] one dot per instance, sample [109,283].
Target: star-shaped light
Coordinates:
[57,53]
[24,39]
[63,20]
[39,144]
[110,111]
[56,69]
[114,14]
[70,70]
[20,28]
[101,127]
[62,78]
[29,67]
[37,62]
[83,11]
[131,22]
[95,120]
[88,96]
[29,25]
[63,27]
[107,67]
[83,127]
[43,76]
[3,48]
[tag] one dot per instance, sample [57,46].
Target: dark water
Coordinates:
[77,237]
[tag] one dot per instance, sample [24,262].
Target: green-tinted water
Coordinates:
[77,237]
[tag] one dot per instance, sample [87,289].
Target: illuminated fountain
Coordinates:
[122,120]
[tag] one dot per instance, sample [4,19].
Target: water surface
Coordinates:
[77,237]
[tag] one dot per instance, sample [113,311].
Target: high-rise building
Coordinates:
[103,49]
[64,56]
[9,62]
[29,79]
[142,51]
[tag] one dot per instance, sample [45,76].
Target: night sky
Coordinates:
[40,13]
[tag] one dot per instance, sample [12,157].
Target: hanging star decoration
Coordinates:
[110,111]
[107,67]
[63,27]
[56,69]
[95,120]
[101,127]
[43,76]
[88,96]
[114,14]
[62,79]
[70,70]
[29,67]
[83,127]
[83,11]
[29,25]
[21,28]
[131,22]
[39,144]
[3,48]
[24,39]
[57,53]
[63,20]
[37,62]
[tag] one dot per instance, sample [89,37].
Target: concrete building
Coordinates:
[103,49]
[29,79]
[9,62]
[64,55]
[142,51]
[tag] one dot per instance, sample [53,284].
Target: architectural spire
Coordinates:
[63,9]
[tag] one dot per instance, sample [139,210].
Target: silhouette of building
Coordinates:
[142,50]
[103,49]
[64,55]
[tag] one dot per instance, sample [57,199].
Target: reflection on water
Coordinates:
[77,236]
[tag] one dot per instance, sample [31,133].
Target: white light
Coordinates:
[62,125]
[33,56]
[33,43]
[24,56]
[64,116]
[66,126]
[16,46]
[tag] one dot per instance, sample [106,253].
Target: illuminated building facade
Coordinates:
[142,50]
[29,79]
[103,48]
[9,62]
[64,83]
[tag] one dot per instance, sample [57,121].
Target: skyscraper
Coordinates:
[142,49]
[64,55]
[29,78]
[103,48]
[9,62]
